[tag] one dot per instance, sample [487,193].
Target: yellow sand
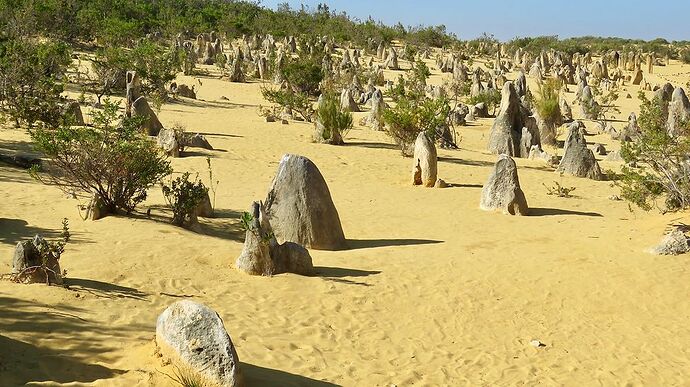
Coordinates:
[433,291]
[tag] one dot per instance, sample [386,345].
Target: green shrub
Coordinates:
[155,66]
[184,196]
[334,123]
[408,118]
[31,80]
[288,98]
[113,160]
[490,97]
[547,100]
[304,75]
[657,163]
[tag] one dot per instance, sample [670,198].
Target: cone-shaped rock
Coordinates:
[300,208]
[506,130]
[578,160]
[502,191]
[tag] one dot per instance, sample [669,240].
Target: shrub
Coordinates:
[491,98]
[115,161]
[408,118]
[547,100]
[559,190]
[335,123]
[288,98]
[155,66]
[184,196]
[657,163]
[303,75]
[31,80]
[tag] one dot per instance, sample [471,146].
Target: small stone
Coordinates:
[615,198]
[537,344]
[440,183]
[270,118]
[284,122]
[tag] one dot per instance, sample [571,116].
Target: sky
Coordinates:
[506,19]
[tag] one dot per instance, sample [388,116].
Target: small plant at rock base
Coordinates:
[559,190]
[184,196]
[334,123]
[49,253]
[247,223]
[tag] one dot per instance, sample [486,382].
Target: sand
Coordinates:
[432,292]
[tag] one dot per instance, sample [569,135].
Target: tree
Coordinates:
[31,80]
[114,161]
[656,162]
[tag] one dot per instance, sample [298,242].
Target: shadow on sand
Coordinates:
[355,244]
[27,362]
[103,289]
[260,376]
[13,231]
[536,211]
[339,274]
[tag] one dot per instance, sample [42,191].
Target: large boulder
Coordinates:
[425,161]
[30,265]
[192,335]
[578,160]
[502,190]
[300,207]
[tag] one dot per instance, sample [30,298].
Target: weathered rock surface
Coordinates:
[425,161]
[193,335]
[502,190]
[300,208]
[578,160]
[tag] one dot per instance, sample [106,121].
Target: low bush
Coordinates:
[111,159]
[184,196]
[334,122]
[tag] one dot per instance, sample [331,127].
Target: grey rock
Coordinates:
[300,208]
[578,160]
[193,334]
[151,125]
[27,258]
[502,190]
[674,243]
[425,161]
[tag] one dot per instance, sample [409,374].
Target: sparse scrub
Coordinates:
[184,196]
[558,190]
[31,80]
[113,160]
[288,98]
[334,123]
[656,162]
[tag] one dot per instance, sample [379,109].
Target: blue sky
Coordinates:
[506,19]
